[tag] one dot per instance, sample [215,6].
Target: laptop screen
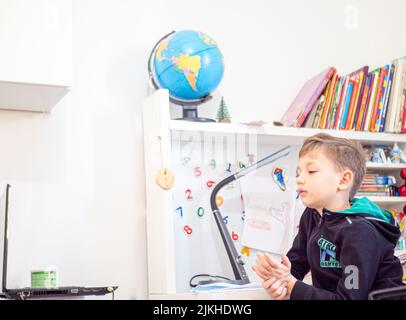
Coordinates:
[4,190]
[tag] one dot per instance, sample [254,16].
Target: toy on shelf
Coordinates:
[384,154]
[402,188]
[222,113]
[395,154]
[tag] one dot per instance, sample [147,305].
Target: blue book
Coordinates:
[386,102]
[346,105]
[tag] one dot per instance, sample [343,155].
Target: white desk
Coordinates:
[254,294]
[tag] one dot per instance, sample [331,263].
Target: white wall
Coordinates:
[82,199]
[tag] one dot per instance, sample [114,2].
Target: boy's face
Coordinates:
[317,180]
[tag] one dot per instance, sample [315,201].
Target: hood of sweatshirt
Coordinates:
[381,219]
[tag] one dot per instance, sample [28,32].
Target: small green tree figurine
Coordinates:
[222,112]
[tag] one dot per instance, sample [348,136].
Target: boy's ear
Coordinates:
[346,180]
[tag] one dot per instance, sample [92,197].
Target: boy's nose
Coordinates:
[299,180]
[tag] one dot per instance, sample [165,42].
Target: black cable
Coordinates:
[215,278]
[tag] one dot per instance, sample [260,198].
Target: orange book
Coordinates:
[333,97]
[352,102]
[330,88]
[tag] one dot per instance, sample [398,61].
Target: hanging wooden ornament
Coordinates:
[165,179]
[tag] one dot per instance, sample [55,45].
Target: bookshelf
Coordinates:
[163,264]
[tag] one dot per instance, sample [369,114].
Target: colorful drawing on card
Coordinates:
[269,216]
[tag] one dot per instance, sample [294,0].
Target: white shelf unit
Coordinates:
[36,53]
[157,122]
[386,166]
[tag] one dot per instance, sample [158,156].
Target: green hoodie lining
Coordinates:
[365,206]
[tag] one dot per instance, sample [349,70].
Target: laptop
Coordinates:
[31,292]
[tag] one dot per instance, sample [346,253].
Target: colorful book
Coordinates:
[403,128]
[315,110]
[336,101]
[336,79]
[363,104]
[395,97]
[306,98]
[382,90]
[401,112]
[329,97]
[347,103]
[340,108]
[353,100]
[382,117]
[375,100]
[364,76]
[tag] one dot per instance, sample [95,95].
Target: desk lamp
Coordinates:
[236,261]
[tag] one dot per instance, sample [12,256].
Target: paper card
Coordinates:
[269,216]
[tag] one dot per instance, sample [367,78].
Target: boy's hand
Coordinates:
[278,280]
[266,267]
[276,288]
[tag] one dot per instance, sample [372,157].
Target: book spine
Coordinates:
[382,92]
[403,129]
[400,111]
[335,103]
[393,96]
[386,99]
[367,104]
[347,103]
[331,104]
[364,100]
[375,101]
[330,87]
[339,112]
[364,77]
[353,102]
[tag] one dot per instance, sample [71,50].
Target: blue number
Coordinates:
[180,209]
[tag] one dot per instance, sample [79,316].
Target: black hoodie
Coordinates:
[349,254]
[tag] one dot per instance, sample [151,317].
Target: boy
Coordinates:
[347,244]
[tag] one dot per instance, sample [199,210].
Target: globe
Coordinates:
[189,64]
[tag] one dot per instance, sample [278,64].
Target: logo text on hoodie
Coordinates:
[328,254]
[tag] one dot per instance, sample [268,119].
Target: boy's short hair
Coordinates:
[344,153]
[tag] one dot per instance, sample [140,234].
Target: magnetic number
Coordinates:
[219,200]
[180,210]
[225,219]
[213,164]
[210,184]
[200,212]
[242,165]
[188,194]
[188,230]
[198,172]
[246,251]
[229,167]
[185,160]
[234,236]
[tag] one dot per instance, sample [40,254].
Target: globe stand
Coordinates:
[190,114]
